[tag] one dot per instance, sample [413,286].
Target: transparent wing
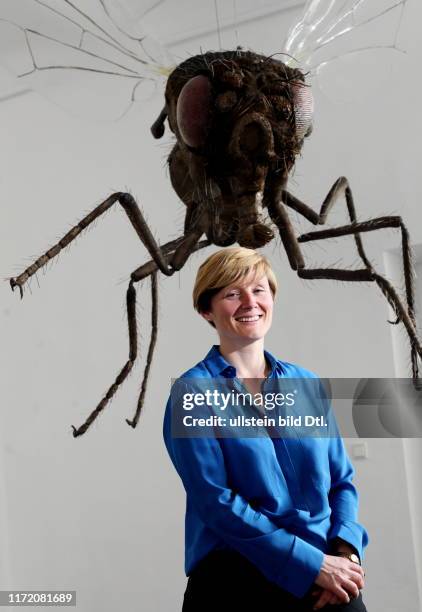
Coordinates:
[84,55]
[332,34]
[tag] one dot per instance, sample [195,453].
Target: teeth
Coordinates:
[256,318]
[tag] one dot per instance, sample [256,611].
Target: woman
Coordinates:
[270,524]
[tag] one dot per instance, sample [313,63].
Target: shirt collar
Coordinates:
[218,366]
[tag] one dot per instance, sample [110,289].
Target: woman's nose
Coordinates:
[248,299]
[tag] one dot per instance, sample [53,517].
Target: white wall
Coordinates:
[103,514]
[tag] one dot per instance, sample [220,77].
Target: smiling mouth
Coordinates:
[251,319]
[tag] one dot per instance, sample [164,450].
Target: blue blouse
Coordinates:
[277,501]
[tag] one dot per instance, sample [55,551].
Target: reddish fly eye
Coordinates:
[194,111]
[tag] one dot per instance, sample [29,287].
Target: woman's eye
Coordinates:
[233,294]
[258,290]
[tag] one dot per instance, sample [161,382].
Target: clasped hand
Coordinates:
[340,581]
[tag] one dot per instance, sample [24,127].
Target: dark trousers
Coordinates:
[225,581]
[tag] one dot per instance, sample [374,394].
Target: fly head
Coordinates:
[240,120]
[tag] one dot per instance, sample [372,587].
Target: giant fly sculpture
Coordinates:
[240,120]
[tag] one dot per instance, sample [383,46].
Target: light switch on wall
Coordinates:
[360,450]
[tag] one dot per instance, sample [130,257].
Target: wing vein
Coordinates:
[79,50]
[112,42]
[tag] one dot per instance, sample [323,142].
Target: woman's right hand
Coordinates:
[340,576]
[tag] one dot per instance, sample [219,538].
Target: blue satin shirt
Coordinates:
[276,501]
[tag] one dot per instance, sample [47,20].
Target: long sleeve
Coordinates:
[282,557]
[343,496]
[343,499]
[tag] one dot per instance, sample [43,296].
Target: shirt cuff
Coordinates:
[301,569]
[352,533]
[336,543]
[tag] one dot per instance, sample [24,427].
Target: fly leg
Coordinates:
[341,189]
[166,259]
[178,259]
[136,217]
[277,197]
[406,315]
[177,251]
[133,351]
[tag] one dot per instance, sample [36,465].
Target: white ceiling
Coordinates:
[174,21]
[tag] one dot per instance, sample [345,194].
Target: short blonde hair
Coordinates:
[225,267]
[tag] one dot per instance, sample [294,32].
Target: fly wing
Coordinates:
[83,55]
[333,35]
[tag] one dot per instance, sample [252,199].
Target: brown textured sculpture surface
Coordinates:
[240,120]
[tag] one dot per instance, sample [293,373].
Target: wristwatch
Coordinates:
[336,546]
[351,556]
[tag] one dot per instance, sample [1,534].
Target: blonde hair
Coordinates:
[225,267]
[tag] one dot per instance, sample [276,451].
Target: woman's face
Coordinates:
[242,310]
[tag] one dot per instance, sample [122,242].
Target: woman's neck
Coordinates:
[249,360]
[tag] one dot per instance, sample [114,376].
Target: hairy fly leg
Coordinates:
[186,247]
[167,259]
[136,217]
[342,188]
[133,351]
[406,315]
[183,245]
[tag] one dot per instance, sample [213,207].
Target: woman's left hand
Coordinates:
[324,596]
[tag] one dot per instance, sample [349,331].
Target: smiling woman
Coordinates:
[234,291]
[262,532]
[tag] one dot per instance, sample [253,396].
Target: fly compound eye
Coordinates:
[193,112]
[303,108]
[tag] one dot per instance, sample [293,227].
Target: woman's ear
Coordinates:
[206,315]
